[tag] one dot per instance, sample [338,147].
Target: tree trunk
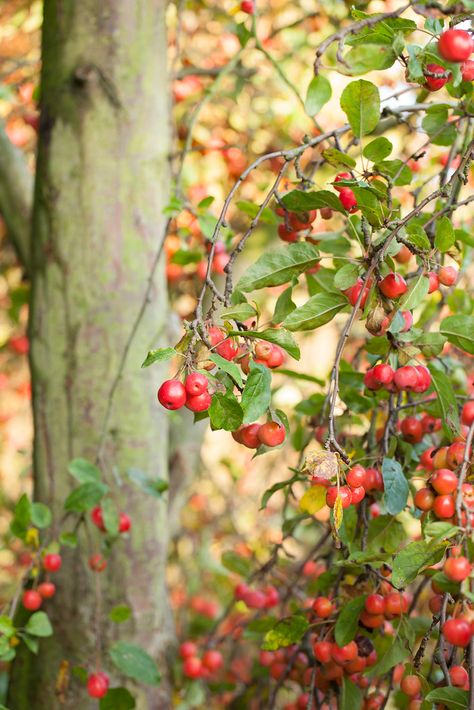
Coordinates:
[102,182]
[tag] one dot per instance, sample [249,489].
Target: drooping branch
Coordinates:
[16,196]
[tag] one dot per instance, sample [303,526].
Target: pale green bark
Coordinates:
[101,185]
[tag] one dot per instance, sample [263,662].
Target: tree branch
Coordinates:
[16,196]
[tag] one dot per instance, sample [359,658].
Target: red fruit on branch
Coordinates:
[172,394]
[97,563]
[457,569]
[322,651]
[458,631]
[271,434]
[287,234]
[344,493]
[192,667]
[276,357]
[323,607]
[467,414]
[355,477]
[424,499]
[348,199]
[98,685]
[303,220]
[248,6]
[225,347]
[393,285]
[467,70]
[199,402]
[212,660]
[383,373]
[339,177]
[344,654]
[459,675]
[408,318]
[444,507]
[434,83]
[196,383]
[412,429]
[97,517]
[375,604]
[125,523]
[448,275]
[47,590]
[357,494]
[52,562]
[444,481]
[31,599]
[410,685]
[455,45]
[433,282]
[353,292]
[187,649]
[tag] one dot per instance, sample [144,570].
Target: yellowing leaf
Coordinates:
[313,499]
[337,512]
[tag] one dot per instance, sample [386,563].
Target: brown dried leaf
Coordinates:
[324,464]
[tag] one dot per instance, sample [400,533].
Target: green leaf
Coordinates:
[347,622]
[299,201]
[225,412]
[31,643]
[437,126]
[134,663]
[385,533]
[152,486]
[22,513]
[378,149]
[351,695]
[319,92]
[416,235]
[120,613]
[257,392]
[346,276]
[278,267]
[360,101]
[447,401]
[117,699]
[40,515]
[286,632]
[396,171]
[430,344]
[111,516]
[184,257]
[159,355]
[39,625]
[6,626]
[395,485]
[251,209]
[413,559]
[440,530]
[240,312]
[393,655]
[85,497]
[369,57]
[68,539]
[83,471]
[452,698]
[284,305]
[277,487]
[236,563]
[445,235]
[231,368]
[338,159]
[416,294]
[320,309]
[277,336]
[459,330]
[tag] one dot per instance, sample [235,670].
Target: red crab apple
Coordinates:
[97,563]
[412,430]
[393,285]
[458,632]
[97,517]
[459,676]
[339,177]
[434,83]
[424,499]
[172,394]
[457,569]
[467,414]
[467,70]
[248,6]
[125,523]
[344,492]
[98,685]
[271,434]
[31,599]
[199,402]
[433,282]
[196,383]
[323,607]
[410,685]
[444,481]
[47,590]
[348,199]
[444,507]
[353,292]
[287,234]
[448,275]
[455,45]
[52,562]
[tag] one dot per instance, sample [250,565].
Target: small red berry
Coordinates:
[196,383]
[172,394]
[52,562]
[125,523]
[47,590]
[32,600]
[434,83]
[199,402]
[348,199]
[455,45]
[97,517]
[97,563]
[98,685]
[393,285]
[271,434]
[457,631]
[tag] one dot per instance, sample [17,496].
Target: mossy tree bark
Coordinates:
[101,185]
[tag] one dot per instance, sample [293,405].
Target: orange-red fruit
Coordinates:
[187,649]
[47,590]
[249,436]
[444,507]
[348,199]
[448,275]
[196,383]
[434,83]
[192,667]
[457,631]
[199,402]
[323,607]
[411,685]
[459,676]
[52,562]
[271,434]
[375,604]
[412,430]
[444,481]
[457,568]
[322,651]
[344,493]
[212,660]
[467,414]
